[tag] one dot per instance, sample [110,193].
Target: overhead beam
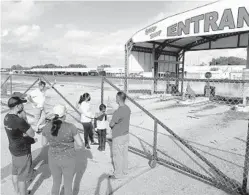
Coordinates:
[149,50]
[163,44]
[168,61]
[204,40]
[166,44]
[208,38]
[161,47]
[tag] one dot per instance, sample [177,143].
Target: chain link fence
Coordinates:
[195,126]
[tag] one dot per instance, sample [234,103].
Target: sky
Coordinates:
[85,32]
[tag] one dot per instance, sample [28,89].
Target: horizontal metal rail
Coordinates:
[180,79]
[224,178]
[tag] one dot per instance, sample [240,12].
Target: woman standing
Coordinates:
[61,155]
[86,118]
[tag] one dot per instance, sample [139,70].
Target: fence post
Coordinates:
[102,90]
[246,163]
[155,140]
[153,161]
[10,84]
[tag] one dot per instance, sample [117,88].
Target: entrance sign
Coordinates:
[216,18]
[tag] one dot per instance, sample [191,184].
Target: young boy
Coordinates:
[100,124]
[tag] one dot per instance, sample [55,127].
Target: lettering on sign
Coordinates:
[150,30]
[155,34]
[210,20]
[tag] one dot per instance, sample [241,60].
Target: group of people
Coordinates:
[62,137]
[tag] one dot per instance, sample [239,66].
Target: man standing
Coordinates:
[37,98]
[120,137]
[20,136]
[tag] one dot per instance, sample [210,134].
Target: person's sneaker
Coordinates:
[88,147]
[94,143]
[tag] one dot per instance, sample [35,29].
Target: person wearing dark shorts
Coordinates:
[20,136]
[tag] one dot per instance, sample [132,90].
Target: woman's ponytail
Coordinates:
[56,125]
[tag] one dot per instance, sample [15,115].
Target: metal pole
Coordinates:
[245,75]
[183,61]
[102,90]
[5,81]
[126,70]
[223,177]
[31,86]
[155,140]
[246,163]
[10,84]
[153,70]
[61,95]
[247,64]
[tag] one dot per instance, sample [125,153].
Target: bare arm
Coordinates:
[111,124]
[44,141]
[29,98]
[30,132]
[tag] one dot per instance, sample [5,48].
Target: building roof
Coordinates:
[219,25]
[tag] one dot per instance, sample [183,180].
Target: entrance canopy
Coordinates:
[219,25]
[160,47]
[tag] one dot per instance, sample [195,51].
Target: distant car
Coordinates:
[93,73]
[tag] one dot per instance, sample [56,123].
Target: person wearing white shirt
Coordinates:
[86,118]
[37,98]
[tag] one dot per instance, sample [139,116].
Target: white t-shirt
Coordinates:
[86,114]
[38,97]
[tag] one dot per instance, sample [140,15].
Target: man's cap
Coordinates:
[60,110]
[18,94]
[14,101]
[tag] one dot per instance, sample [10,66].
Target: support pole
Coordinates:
[183,61]
[246,75]
[5,81]
[102,90]
[246,163]
[155,140]
[126,70]
[177,72]
[153,70]
[10,84]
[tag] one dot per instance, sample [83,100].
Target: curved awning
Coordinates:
[220,25]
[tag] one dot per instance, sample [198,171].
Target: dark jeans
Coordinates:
[88,132]
[102,138]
